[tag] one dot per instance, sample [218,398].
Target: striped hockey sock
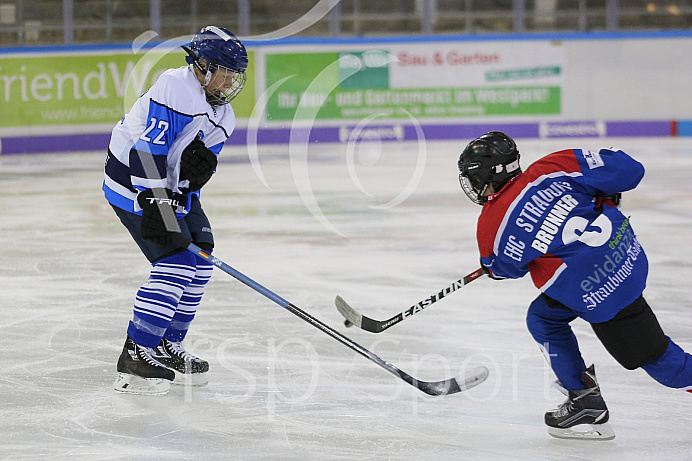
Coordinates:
[190,300]
[157,300]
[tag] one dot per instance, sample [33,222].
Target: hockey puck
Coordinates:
[348,324]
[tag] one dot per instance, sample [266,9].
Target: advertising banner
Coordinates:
[69,98]
[55,89]
[465,79]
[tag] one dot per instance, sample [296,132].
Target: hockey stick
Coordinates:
[377,326]
[448,386]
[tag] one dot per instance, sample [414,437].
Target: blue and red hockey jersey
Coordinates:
[545,222]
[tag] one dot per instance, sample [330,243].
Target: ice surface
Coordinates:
[327,224]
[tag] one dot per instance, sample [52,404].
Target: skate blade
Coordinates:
[131,384]
[584,432]
[190,379]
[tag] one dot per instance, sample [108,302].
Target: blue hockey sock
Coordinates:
[189,301]
[157,300]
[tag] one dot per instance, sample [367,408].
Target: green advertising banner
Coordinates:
[357,84]
[446,80]
[85,89]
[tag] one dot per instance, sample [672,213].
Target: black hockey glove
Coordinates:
[197,164]
[153,227]
[610,200]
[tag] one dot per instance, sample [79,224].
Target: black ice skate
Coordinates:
[583,415]
[140,373]
[189,369]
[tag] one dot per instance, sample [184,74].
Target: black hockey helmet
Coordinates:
[490,160]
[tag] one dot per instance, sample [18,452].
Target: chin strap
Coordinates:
[195,64]
[207,78]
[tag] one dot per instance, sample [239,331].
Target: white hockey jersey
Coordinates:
[146,145]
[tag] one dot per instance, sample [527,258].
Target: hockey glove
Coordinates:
[197,164]
[153,202]
[610,200]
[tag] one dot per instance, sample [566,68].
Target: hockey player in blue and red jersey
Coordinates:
[160,155]
[560,222]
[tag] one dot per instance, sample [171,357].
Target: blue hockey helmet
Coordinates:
[217,49]
[489,160]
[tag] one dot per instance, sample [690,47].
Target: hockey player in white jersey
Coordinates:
[162,152]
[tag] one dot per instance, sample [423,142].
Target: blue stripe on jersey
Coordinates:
[163,127]
[124,203]
[216,148]
[148,158]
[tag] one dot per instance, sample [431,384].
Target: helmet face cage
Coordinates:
[222,58]
[223,85]
[476,195]
[490,160]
